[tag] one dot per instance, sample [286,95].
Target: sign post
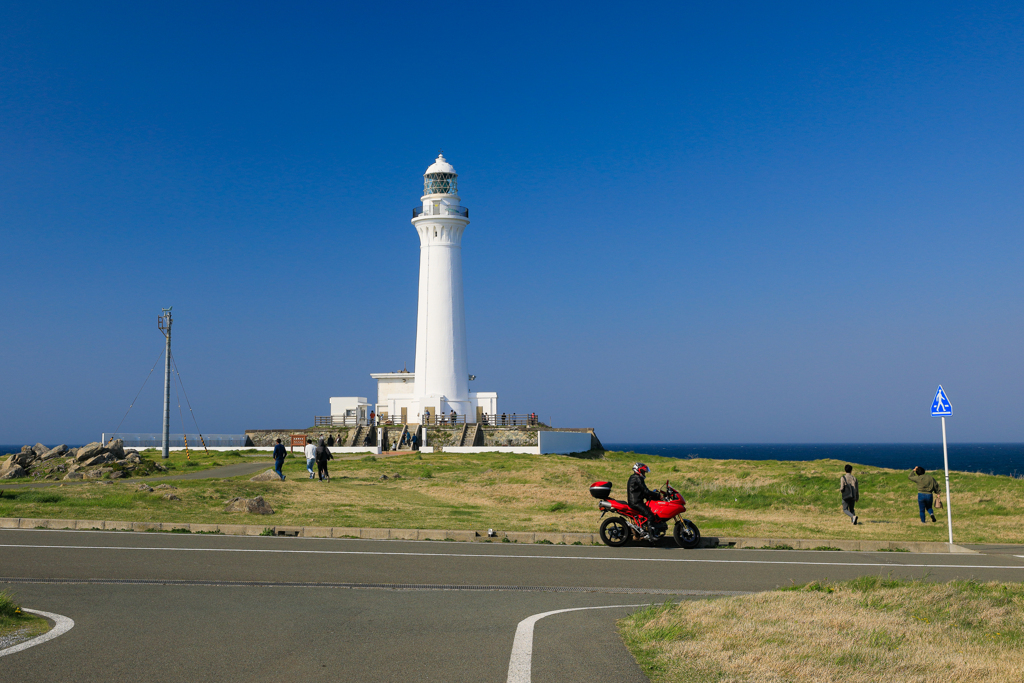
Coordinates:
[941,408]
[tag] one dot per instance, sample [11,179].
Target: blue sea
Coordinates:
[990,458]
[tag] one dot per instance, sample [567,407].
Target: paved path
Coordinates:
[222,472]
[158,607]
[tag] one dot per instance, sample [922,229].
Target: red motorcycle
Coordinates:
[618,531]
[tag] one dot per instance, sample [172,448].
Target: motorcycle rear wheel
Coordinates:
[615,532]
[687,534]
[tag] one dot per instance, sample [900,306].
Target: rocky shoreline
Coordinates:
[92,461]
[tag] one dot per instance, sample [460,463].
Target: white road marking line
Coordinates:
[520,664]
[517,557]
[61,626]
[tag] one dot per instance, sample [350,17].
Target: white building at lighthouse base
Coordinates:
[397,399]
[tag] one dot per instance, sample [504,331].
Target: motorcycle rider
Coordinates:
[638,495]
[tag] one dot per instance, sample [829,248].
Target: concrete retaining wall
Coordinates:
[529,450]
[564,442]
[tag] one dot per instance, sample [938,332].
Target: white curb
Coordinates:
[61,625]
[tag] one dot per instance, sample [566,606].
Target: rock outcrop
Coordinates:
[94,461]
[116,448]
[55,452]
[12,471]
[89,451]
[253,506]
[269,475]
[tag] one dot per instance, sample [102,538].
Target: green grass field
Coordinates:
[549,493]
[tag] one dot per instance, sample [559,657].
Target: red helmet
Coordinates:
[641,469]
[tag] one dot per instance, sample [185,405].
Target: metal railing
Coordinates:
[443,419]
[510,419]
[177,440]
[487,420]
[441,211]
[337,421]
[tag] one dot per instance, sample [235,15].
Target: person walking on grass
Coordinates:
[850,493]
[927,491]
[310,456]
[279,455]
[323,454]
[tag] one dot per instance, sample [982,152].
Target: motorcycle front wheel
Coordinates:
[687,534]
[614,532]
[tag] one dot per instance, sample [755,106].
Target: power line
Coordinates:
[189,404]
[184,434]
[140,391]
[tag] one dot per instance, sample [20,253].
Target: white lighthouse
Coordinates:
[440,382]
[442,371]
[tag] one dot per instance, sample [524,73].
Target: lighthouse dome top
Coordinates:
[440,165]
[440,178]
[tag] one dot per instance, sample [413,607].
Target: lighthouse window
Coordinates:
[440,183]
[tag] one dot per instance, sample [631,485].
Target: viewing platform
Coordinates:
[442,210]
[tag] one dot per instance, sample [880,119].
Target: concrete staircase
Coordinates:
[401,434]
[472,435]
[360,436]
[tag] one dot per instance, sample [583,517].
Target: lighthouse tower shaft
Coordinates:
[442,373]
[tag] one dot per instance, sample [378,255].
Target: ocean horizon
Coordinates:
[990,458]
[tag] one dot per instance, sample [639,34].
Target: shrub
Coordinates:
[8,607]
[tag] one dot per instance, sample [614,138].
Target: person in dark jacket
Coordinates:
[850,493]
[323,454]
[638,494]
[279,455]
[927,489]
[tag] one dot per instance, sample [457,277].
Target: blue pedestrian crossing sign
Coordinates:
[940,406]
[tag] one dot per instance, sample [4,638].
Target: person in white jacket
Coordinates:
[310,456]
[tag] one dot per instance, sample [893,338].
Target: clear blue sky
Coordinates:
[691,222]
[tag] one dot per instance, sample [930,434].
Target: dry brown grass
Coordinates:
[864,630]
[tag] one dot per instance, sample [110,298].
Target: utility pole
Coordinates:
[163,323]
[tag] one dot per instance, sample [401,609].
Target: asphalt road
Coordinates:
[163,607]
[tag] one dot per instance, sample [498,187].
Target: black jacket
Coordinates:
[637,491]
[323,454]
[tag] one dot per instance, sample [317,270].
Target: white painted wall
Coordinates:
[563,442]
[393,383]
[528,450]
[341,404]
